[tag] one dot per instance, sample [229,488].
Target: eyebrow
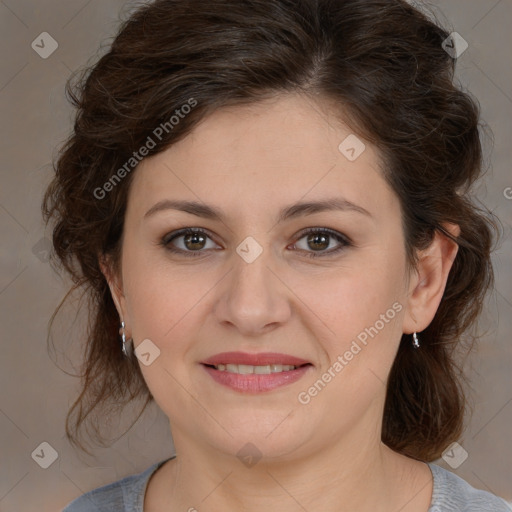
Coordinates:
[289,212]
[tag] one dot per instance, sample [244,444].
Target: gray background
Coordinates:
[36,390]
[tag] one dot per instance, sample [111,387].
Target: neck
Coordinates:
[359,473]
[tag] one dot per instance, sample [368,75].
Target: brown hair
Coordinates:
[383,63]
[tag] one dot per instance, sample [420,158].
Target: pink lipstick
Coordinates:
[255,373]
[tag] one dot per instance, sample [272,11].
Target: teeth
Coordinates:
[244,369]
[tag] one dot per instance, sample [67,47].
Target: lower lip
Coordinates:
[256,383]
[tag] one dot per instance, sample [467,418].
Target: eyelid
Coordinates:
[186,231]
[328,231]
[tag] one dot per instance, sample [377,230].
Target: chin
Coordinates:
[262,436]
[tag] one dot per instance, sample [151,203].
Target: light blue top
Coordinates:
[450,494]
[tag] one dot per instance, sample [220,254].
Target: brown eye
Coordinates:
[188,241]
[318,240]
[194,241]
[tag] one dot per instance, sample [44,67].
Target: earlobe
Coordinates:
[428,286]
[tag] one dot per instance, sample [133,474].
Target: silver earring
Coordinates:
[123,338]
[415,342]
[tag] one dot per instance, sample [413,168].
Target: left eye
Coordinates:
[317,241]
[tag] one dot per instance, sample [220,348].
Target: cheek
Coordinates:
[357,313]
[164,306]
[361,330]
[160,298]
[354,298]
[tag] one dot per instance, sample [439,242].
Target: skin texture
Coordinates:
[251,161]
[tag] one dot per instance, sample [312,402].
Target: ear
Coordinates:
[427,286]
[115,284]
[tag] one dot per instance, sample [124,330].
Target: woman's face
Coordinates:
[250,284]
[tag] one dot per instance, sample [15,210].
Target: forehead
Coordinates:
[269,153]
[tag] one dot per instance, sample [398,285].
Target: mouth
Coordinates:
[247,369]
[255,373]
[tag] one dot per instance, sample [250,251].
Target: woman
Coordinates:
[267,201]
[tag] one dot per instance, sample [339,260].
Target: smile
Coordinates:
[255,373]
[246,369]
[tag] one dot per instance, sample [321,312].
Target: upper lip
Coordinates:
[261,359]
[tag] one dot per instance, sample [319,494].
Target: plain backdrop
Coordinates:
[37,385]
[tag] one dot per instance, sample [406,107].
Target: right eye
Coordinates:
[187,241]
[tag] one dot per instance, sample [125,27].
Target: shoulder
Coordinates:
[125,495]
[452,493]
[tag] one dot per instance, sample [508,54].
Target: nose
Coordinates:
[252,298]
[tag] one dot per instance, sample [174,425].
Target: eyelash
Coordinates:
[344,241]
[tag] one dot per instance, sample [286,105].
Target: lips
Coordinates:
[255,373]
[261,359]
